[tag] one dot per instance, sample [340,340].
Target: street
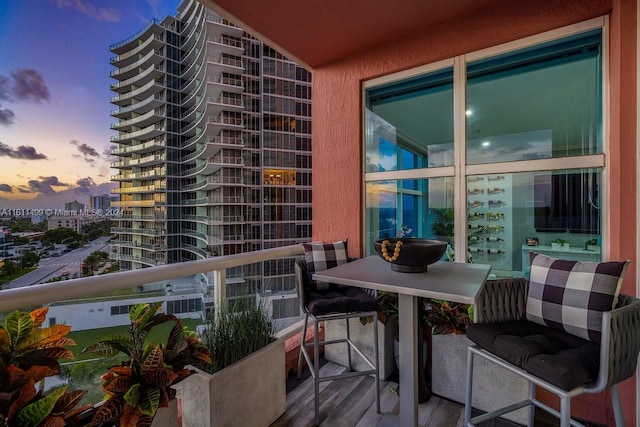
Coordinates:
[53,266]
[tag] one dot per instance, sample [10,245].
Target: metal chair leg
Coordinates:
[565,411]
[617,407]
[532,407]
[377,363]
[316,370]
[468,403]
[304,339]
[348,346]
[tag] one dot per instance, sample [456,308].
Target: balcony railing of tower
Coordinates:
[153,38]
[149,246]
[225,120]
[126,96]
[136,203]
[157,112]
[139,189]
[140,259]
[214,200]
[225,60]
[136,217]
[226,100]
[219,20]
[135,36]
[215,218]
[150,231]
[226,80]
[195,249]
[137,77]
[135,65]
[226,40]
[158,97]
[156,142]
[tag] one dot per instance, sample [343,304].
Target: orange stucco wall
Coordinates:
[337,125]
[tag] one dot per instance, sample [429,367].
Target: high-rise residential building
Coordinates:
[74,206]
[214,148]
[101,202]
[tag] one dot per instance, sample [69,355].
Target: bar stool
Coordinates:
[329,302]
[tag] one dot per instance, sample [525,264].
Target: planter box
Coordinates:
[249,393]
[361,335]
[560,246]
[167,417]
[493,386]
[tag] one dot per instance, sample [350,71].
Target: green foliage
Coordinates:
[447,317]
[29,354]
[235,331]
[93,230]
[58,235]
[140,385]
[443,222]
[29,259]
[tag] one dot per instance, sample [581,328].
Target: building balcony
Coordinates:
[143,231]
[215,220]
[71,295]
[150,88]
[139,259]
[137,245]
[224,44]
[139,189]
[136,203]
[145,147]
[146,119]
[153,72]
[132,69]
[154,42]
[223,26]
[153,101]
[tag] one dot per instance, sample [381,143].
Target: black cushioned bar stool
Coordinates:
[329,303]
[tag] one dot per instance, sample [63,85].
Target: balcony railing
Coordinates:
[35,295]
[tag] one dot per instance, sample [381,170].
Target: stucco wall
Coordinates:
[337,124]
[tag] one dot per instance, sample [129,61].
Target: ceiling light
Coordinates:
[468,112]
[486,144]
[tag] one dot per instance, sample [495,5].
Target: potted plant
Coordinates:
[29,354]
[245,382]
[143,383]
[591,245]
[449,345]
[560,244]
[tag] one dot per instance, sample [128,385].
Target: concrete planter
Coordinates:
[167,417]
[249,393]
[361,335]
[493,386]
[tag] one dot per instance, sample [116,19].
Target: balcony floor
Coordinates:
[351,403]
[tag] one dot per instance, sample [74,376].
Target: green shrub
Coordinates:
[235,331]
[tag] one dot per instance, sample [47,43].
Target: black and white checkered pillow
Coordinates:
[571,295]
[322,256]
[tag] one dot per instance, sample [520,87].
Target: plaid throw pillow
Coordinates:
[571,295]
[322,256]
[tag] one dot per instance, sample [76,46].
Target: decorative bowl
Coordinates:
[410,255]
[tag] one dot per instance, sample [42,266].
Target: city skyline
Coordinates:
[54,96]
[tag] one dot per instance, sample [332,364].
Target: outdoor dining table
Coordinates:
[451,281]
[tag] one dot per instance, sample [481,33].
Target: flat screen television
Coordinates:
[567,202]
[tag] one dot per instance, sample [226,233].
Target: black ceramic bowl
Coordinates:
[415,254]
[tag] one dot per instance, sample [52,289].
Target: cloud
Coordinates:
[45,184]
[29,86]
[6,188]
[85,8]
[25,85]
[23,189]
[6,117]
[22,152]
[87,151]
[85,186]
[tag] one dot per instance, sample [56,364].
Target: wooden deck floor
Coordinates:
[351,403]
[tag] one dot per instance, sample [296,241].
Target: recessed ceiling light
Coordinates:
[468,112]
[486,144]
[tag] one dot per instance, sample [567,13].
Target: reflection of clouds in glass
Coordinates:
[380,141]
[440,155]
[505,148]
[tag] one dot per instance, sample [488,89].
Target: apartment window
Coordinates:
[521,158]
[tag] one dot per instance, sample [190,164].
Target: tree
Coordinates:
[93,230]
[30,259]
[9,267]
[59,235]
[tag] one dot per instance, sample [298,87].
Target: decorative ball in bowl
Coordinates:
[410,255]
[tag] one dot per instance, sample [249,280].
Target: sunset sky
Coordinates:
[54,95]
